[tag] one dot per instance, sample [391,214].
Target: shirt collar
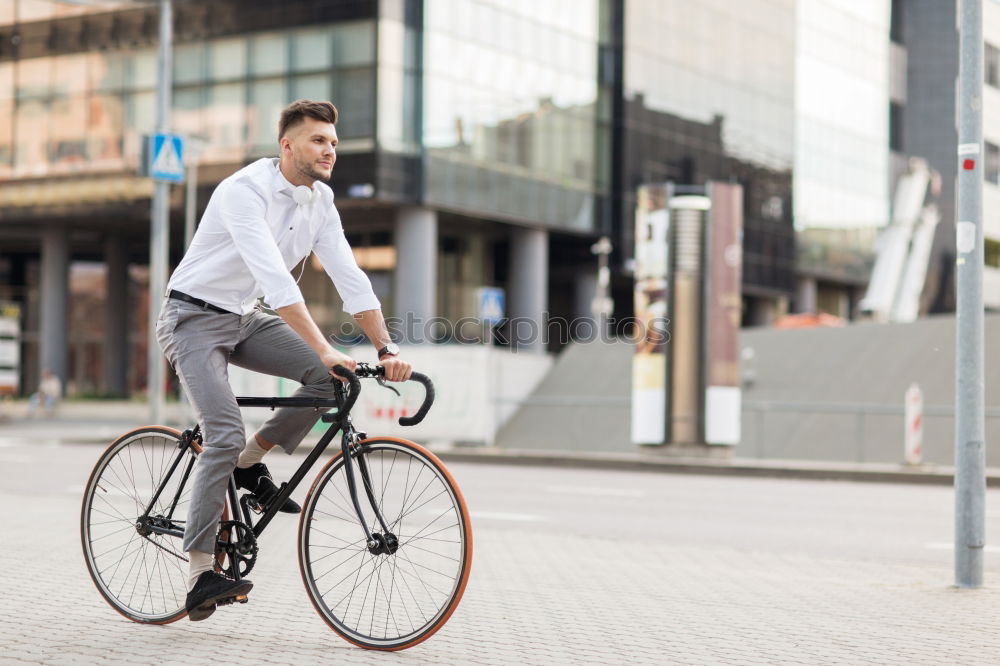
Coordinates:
[281,183]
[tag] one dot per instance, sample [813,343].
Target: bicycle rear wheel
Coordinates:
[386,601]
[141,575]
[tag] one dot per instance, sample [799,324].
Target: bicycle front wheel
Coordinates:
[142,574]
[386,600]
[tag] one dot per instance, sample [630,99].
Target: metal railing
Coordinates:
[860,412]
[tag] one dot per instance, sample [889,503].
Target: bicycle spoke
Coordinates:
[352,520]
[438,529]
[351,554]
[423,504]
[121,515]
[414,537]
[365,561]
[354,572]
[118,531]
[420,579]
[121,488]
[424,566]
[332,536]
[453,559]
[332,553]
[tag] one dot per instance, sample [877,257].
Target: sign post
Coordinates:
[970,429]
[166,155]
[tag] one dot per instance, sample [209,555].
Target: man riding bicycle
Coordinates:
[259,223]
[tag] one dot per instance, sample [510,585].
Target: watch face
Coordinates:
[390,349]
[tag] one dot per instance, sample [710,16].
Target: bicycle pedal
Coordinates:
[251,502]
[241,598]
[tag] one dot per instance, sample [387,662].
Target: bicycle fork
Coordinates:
[379,543]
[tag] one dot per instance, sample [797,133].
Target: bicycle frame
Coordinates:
[339,422]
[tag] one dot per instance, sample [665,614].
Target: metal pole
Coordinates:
[970,458]
[158,237]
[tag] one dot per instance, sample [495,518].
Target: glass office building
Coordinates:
[474,146]
[484,143]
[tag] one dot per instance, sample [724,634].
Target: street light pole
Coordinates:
[159,239]
[970,456]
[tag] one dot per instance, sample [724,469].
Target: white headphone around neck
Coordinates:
[304,196]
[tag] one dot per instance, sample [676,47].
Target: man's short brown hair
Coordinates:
[300,109]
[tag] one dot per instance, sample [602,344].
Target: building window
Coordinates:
[991,66]
[991,166]
[991,249]
[895,126]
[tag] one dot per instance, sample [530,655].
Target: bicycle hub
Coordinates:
[383,545]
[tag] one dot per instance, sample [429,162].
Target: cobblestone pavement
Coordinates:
[537,595]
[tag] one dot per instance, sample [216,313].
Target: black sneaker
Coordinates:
[258,481]
[211,589]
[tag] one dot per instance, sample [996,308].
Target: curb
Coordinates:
[788,469]
[647,462]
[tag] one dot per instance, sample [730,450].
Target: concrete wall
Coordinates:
[866,365]
[583,403]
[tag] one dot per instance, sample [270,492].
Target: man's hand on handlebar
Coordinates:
[333,357]
[396,369]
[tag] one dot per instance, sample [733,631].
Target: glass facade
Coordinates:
[709,94]
[842,114]
[718,60]
[87,112]
[514,119]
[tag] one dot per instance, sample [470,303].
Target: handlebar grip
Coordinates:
[426,405]
[355,387]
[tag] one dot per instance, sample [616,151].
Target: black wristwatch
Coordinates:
[391,349]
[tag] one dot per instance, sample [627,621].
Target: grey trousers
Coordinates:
[199,344]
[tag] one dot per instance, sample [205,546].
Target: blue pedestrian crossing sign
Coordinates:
[491,305]
[166,159]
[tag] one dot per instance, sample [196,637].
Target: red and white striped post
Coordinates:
[913,438]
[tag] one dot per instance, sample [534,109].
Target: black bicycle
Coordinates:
[384,539]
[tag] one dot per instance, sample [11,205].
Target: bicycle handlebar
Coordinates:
[365,370]
[355,390]
[425,405]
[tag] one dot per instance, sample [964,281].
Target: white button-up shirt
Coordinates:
[253,233]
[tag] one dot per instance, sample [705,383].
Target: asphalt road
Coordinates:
[571,566]
[882,522]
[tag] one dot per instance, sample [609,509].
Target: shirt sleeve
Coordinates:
[243,215]
[338,261]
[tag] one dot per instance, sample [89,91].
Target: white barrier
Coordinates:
[477,389]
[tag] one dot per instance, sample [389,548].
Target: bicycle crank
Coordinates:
[237,541]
